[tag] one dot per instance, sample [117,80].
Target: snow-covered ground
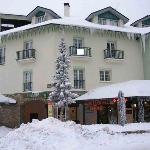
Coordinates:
[4,131]
[51,134]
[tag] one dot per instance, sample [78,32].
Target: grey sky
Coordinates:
[133,9]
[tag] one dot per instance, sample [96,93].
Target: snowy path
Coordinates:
[51,134]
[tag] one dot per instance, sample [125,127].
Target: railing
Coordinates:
[114,54]
[25,54]
[2,60]
[82,51]
[27,86]
[79,84]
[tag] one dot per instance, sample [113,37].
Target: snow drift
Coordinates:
[51,134]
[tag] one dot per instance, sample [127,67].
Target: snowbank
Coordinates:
[51,134]
[4,131]
[4,99]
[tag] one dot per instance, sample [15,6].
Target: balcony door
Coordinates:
[28,49]
[111,47]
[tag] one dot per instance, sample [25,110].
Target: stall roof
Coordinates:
[133,88]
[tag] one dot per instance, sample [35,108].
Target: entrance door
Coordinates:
[34,109]
[102,116]
[33,116]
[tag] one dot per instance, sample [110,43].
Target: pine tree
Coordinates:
[61,95]
[122,109]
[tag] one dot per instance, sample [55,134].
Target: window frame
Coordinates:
[40,19]
[77,45]
[78,76]
[102,21]
[27,79]
[104,75]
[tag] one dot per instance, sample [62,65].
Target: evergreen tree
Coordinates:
[122,109]
[61,95]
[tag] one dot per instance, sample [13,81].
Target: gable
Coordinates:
[108,15]
[40,13]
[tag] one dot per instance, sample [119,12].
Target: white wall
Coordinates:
[46,45]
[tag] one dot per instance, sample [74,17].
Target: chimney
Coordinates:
[66,9]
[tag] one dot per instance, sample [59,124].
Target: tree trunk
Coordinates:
[67,113]
[62,113]
[141,110]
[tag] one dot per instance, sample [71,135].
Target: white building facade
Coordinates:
[99,55]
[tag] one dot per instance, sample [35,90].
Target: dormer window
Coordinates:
[102,21]
[114,22]
[40,17]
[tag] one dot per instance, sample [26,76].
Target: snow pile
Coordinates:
[4,131]
[4,99]
[51,134]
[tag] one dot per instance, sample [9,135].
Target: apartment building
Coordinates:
[100,54]
[101,48]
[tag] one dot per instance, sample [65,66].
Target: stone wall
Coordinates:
[10,114]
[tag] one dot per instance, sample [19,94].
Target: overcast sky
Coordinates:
[133,9]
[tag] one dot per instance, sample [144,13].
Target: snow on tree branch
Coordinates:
[61,94]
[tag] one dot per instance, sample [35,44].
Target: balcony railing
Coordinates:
[79,84]
[26,54]
[2,60]
[27,86]
[114,54]
[82,51]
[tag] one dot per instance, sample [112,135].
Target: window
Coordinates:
[27,81]
[114,22]
[40,19]
[78,42]
[27,52]
[2,55]
[79,82]
[105,75]
[102,21]
[111,45]
[28,45]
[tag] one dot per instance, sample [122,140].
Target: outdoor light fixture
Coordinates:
[134,105]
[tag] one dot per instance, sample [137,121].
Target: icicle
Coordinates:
[143,41]
[130,36]
[92,30]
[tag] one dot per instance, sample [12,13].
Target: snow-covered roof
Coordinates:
[130,89]
[79,23]
[108,9]
[4,99]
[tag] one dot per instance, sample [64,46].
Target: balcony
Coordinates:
[2,60]
[80,52]
[113,55]
[26,55]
